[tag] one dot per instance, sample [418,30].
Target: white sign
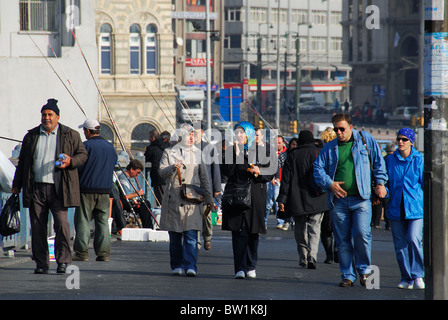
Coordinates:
[195,75]
[434,10]
[436,64]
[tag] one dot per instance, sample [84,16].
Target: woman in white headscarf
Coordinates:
[181,218]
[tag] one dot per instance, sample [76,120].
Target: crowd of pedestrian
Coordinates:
[323,188]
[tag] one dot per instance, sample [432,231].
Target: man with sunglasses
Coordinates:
[343,169]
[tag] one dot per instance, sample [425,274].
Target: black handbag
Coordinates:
[10,216]
[237,195]
[190,192]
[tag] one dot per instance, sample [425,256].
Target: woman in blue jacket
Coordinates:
[405,210]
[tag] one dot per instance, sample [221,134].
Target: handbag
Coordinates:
[237,195]
[190,192]
[10,216]
[376,200]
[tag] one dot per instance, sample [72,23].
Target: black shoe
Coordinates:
[62,267]
[41,271]
[311,263]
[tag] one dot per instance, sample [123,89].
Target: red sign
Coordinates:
[197,62]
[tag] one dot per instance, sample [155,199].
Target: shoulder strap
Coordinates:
[365,145]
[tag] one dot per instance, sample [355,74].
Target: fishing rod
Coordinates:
[152,96]
[114,125]
[10,139]
[137,216]
[142,200]
[68,80]
[62,81]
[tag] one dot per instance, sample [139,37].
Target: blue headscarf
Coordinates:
[409,133]
[250,133]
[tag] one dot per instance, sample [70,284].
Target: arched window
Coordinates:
[134,49]
[139,136]
[151,49]
[107,132]
[105,44]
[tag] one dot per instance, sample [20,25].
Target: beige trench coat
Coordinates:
[177,214]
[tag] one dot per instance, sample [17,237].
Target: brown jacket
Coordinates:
[66,180]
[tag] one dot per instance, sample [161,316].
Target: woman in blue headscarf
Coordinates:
[251,166]
[405,209]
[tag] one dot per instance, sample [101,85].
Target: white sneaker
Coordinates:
[251,274]
[191,273]
[177,272]
[240,275]
[405,285]
[419,283]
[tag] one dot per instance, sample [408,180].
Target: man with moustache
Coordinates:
[46,186]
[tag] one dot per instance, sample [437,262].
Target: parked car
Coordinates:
[219,123]
[402,115]
[309,107]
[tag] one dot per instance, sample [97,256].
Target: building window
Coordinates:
[196,48]
[37,15]
[232,14]
[299,16]
[336,44]
[258,15]
[319,17]
[105,45]
[151,49]
[134,49]
[319,44]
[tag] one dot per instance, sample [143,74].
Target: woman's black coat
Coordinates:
[296,192]
[232,219]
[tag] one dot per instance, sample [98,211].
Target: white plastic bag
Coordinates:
[7,171]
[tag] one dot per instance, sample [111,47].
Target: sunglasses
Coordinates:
[403,139]
[336,129]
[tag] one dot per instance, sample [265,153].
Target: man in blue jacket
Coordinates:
[95,179]
[343,169]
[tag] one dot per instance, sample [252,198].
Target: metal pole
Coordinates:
[436,167]
[259,73]
[277,95]
[209,96]
[298,81]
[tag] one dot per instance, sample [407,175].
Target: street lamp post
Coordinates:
[298,81]
[298,75]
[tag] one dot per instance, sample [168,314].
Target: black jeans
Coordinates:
[245,249]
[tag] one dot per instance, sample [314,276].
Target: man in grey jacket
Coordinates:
[48,187]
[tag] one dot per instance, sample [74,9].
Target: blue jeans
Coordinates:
[184,255]
[271,201]
[351,218]
[407,236]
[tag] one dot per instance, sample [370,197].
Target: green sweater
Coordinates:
[346,168]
